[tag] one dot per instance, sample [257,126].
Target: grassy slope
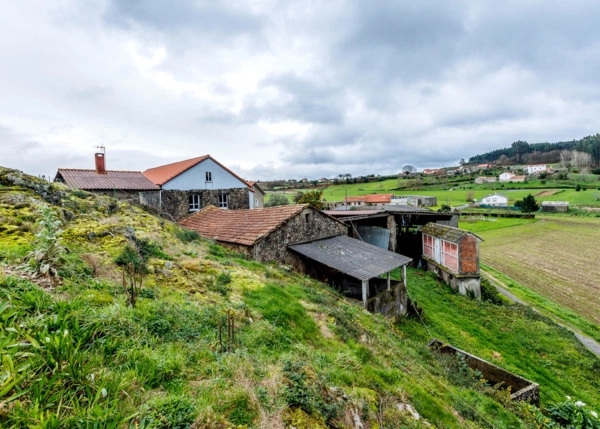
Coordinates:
[77,354]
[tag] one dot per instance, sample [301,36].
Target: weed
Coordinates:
[170,412]
[47,246]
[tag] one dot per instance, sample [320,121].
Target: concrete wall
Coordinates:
[195,178]
[464,284]
[523,389]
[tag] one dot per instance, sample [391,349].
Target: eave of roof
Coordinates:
[446,232]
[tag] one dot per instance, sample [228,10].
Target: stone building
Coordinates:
[188,186]
[311,242]
[453,254]
[264,234]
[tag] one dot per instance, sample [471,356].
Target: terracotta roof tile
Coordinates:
[239,226]
[162,174]
[113,179]
[378,198]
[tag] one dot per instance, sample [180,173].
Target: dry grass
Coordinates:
[556,257]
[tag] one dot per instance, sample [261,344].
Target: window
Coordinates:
[194,201]
[223,201]
[209,176]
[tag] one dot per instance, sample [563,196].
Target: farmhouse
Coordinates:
[187,186]
[453,254]
[123,185]
[311,242]
[510,177]
[495,200]
[485,179]
[555,206]
[535,169]
[413,200]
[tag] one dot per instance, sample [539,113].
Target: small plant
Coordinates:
[573,414]
[47,246]
[133,265]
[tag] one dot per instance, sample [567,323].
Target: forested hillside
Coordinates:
[523,152]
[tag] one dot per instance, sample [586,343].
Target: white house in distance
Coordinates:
[495,200]
[510,177]
[534,169]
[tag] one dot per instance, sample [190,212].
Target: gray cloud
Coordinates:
[282,89]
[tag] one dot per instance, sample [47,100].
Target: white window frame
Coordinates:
[194,202]
[223,200]
[208,176]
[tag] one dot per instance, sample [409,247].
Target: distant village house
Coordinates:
[498,200]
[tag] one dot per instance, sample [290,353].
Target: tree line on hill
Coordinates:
[542,153]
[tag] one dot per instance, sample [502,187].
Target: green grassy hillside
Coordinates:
[219,341]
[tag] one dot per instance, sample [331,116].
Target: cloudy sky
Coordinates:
[286,89]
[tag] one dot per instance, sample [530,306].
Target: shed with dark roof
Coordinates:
[453,253]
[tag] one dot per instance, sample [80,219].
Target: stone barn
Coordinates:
[264,234]
[453,254]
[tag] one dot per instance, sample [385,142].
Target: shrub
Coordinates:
[490,293]
[47,247]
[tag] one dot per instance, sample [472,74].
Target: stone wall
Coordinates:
[150,199]
[176,203]
[308,225]
[238,198]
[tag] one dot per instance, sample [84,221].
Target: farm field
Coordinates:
[555,256]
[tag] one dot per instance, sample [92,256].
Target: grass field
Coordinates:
[555,256]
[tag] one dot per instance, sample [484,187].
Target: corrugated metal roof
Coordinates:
[445,232]
[406,209]
[343,213]
[358,259]
[90,180]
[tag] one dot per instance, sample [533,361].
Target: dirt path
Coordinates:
[589,343]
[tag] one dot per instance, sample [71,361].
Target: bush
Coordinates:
[490,293]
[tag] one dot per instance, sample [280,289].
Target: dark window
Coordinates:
[209,176]
[194,201]
[223,201]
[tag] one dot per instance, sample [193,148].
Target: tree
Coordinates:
[299,195]
[277,200]
[528,204]
[313,199]
[519,148]
[409,169]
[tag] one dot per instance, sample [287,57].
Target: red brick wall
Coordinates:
[469,256]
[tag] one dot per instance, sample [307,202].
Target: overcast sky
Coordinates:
[291,89]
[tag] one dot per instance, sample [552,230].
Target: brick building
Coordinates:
[453,254]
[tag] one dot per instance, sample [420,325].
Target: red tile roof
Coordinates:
[90,180]
[353,199]
[378,198]
[164,173]
[245,227]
